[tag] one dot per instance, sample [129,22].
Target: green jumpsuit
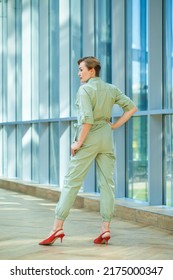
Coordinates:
[95,100]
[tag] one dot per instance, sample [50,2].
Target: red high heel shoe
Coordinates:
[51,239]
[101,239]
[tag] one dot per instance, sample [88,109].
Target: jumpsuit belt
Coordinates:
[77,126]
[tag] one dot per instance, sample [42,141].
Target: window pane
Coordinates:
[168,160]
[168,54]
[4,151]
[76,47]
[19,151]
[35,153]
[3,42]
[54,153]
[137,52]
[103,37]
[137,162]
[18,60]
[54,59]
[26,60]
[1,149]
[35,58]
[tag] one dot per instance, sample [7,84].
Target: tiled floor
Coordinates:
[25,220]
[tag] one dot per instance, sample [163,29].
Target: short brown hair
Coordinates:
[91,62]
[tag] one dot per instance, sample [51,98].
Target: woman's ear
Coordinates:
[93,72]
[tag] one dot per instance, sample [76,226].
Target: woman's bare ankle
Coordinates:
[105,227]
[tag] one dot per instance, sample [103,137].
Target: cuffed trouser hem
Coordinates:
[59,218]
[105,221]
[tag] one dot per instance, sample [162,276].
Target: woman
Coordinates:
[95,100]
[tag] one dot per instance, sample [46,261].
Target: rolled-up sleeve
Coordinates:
[85,111]
[123,101]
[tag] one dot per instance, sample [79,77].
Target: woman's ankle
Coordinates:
[58,225]
[105,226]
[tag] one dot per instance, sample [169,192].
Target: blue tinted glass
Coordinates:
[103,37]
[54,58]
[168,54]
[137,163]
[168,160]
[137,52]
[137,89]
[76,47]
[54,153]
[35,152]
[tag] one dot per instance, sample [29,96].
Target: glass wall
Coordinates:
[137,155]
[75,47]
[53,56]
[168,102]
[168,160]
[137,89]
[30,90]
[40,43]
[168,54]
[137,51]
[103,36]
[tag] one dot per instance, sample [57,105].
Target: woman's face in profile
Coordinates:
[84,73]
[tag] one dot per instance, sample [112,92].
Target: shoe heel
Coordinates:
[61,237]
[51,239]
[102,240]
[106,239]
